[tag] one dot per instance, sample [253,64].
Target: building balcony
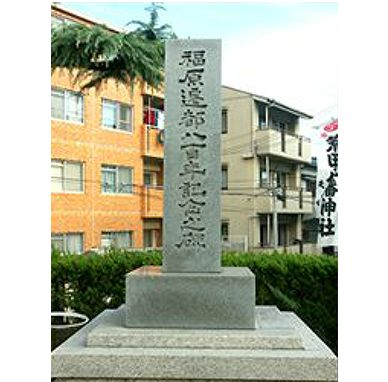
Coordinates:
[153,142]
[295,201]
[274,142]
[152,202]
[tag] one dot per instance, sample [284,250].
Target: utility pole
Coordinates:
[275,192]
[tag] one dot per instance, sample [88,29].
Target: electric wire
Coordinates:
[143,193]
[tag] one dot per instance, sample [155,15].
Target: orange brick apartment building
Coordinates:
[106,162]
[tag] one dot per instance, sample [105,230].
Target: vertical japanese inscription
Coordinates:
[193,142]
[327,201]
[192,157]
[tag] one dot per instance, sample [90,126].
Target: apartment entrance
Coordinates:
[266,232]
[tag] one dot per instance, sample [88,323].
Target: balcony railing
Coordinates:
[153,142]
[289,200]
[279,142]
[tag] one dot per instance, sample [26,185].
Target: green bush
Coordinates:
[304,284]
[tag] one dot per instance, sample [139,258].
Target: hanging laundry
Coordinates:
[155,124]
[160,120]
[149,117]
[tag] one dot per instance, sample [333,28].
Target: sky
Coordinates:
[286,51]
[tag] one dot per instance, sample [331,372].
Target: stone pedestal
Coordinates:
[280,348]
[156,299]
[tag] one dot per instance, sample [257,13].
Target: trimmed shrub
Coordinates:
[306,285]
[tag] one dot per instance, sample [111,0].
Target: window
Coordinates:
[224,120]
[119,239]
[116,179]
[67,176]
[149,240]
[264,178]
[225,231]
[281,184]
[261,116]
[66,105]
[116,115]
[68,242]
[150,178]
[281,179]
[224,178]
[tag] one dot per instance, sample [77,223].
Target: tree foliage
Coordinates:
[152,31]
[96,54]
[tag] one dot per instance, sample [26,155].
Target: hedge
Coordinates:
[307,285]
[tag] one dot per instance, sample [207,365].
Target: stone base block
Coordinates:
[224,300]
[281,348]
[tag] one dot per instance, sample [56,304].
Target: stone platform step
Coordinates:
[91,356]
[272,332]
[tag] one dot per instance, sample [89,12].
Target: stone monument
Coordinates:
[192,290]
[192,319]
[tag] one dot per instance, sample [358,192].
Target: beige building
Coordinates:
[262,158]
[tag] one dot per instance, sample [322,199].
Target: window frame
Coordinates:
[224,118]
[261,116]
[154,178]
[115,169]
[264,181]
[66,94]
[117,113]
[114,234]
[64,163]
[152,233]
[224,223]
[64,236]
[224,168]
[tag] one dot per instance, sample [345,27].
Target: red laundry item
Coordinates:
[150,117]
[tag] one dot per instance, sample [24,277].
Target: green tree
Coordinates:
[96,54]
[152,31]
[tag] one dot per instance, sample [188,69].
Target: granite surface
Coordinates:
[112,333]
[158,299]
[315,362]
[192,158]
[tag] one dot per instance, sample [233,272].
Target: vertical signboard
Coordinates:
[327,184]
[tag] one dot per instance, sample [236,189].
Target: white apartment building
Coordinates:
[263,199]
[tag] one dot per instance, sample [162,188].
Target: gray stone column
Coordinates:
[191,223]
